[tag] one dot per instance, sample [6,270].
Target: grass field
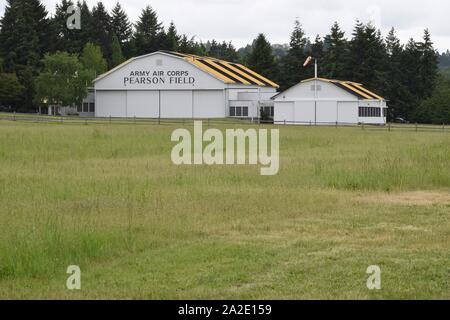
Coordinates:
[108,198]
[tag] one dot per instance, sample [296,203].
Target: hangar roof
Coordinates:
[227,72]
[354,88]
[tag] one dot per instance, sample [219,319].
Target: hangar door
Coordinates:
[326,112]
[176,104]
[284,111]
[305,112]
[209,104]
[143,104]
[111,104]
[348,112]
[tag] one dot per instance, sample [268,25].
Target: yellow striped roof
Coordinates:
[228,72]
[354,88]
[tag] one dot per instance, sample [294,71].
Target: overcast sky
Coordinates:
[240,21]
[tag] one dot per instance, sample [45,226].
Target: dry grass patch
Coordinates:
[413,198]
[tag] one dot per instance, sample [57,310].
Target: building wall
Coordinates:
[111,104]
[161,104]
[347,112]
[142,104]
[162,72]
[284,112]
[326,112]
[209,104]
[251,97]
[176,104]
[304,111]
[308,112]
[87,109]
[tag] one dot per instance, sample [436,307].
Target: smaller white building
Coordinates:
[324,102]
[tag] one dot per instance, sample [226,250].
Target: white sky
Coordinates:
[240,21]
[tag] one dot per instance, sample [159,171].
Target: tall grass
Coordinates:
[93,195]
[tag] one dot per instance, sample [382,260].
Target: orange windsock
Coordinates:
[307,61]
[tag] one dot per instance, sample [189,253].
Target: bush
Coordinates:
[436,109]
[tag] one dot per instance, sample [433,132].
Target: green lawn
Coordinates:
[108,198]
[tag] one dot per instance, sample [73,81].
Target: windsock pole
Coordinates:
[315,68]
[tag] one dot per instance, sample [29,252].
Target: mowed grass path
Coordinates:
[108,198]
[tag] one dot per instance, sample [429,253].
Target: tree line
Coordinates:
[34,45]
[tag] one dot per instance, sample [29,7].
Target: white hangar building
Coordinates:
[174,85]
[324,101]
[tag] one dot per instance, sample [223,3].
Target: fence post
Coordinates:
[389,126]
[14,116]
[336,124]
[417,127]
[362,126]
[443,127]
[110,119]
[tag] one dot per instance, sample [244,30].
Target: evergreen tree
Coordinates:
[101,24]
[224,51]
[189,46]
[230,53]
[24,33]
[87,31]
[147,37]
[261,58]
[24,37]
[120,24]
[333,64]
[401,99]
[186,45]
[71,40]
[435,109]
[316,50]
[198,48]
[444,60]
[317,47]
[428,66]
[367,57]
[292,63]
[396,91]
[116,55]
[279,50]
[172,38]
[65,39]
[411,77]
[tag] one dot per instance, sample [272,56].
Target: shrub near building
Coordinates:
[436,109]
[10,89]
